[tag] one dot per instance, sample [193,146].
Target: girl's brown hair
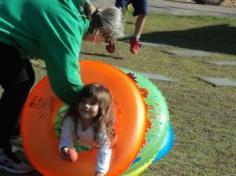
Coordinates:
[104,121]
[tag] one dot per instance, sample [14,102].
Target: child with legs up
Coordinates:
[140,11]
[90,121]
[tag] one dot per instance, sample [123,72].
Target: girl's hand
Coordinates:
[69,154]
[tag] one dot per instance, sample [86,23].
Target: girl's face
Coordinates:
[88,108]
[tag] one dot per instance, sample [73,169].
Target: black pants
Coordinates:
[16,78]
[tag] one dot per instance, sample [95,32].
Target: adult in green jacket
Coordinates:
[53,31]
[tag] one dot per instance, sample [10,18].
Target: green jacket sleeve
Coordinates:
[60,41]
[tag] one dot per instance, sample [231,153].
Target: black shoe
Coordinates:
[11,163]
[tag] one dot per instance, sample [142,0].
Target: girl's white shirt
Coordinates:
[86,138]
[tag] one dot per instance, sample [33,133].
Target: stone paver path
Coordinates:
[222,63]
[191,53]
[216,81]
[157,77]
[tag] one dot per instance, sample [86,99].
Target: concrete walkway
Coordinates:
[181,7]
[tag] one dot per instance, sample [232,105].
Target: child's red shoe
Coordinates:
[110,47]
[135,46]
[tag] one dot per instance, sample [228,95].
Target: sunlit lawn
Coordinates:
[203,116]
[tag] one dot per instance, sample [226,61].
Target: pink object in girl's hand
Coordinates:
[72,155]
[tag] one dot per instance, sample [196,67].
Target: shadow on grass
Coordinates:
[102,55]
[217,38]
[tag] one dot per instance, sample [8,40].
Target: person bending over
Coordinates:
[53,31]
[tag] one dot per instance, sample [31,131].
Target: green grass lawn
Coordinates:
[203,116]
